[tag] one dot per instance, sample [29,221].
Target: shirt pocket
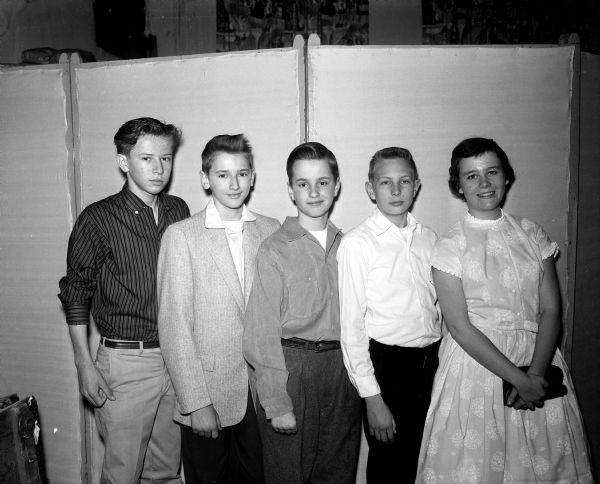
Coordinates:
[304,297]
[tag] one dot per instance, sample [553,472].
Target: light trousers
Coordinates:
[142,442]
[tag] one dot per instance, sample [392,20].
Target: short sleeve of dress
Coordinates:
[445,257]
[548,247]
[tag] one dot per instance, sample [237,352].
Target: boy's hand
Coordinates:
[206,422]
[285,424]
[92,385]
[381,422]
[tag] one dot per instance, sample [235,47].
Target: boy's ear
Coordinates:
[370,191]
[204,180]
[253,178]
[338,185]
[417,187]
[290,192]
[122,162]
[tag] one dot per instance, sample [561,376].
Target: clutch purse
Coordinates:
[554,376]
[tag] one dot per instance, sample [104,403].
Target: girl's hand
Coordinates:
[531,392]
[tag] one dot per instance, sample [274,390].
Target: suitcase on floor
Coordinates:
[19,432]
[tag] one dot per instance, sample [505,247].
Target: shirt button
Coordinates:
[136,212]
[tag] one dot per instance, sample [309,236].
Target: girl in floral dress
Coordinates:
[496,281]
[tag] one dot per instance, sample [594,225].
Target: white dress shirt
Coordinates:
[386,293]
[233,232]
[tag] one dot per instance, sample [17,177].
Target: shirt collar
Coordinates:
[212,219]
[294,230]
[135,203]
[383,224]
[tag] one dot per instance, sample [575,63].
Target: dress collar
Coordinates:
[483,223]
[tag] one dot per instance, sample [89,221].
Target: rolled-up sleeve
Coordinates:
[85,256]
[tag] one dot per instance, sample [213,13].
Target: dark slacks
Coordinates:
[327,410]
[234,457]
[405,376]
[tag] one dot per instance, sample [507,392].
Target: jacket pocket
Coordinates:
[208,362]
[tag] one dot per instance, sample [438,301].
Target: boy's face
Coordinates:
[230,179]
[313,188]
[148,166]
[393,189]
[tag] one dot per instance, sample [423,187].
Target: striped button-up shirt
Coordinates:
[111,265]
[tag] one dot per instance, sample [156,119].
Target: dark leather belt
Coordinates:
[129,345]
[305,344]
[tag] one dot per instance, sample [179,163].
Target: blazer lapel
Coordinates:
[216,243]
[251,243]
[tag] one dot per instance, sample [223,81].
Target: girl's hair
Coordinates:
[128,134]
[390,153]
[476,147]
[236,144]
[312,151]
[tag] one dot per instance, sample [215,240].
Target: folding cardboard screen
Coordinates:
[57,124]
[57,156]
[428,100]
[35,221]
[257,94]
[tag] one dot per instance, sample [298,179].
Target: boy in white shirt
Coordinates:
[390,321]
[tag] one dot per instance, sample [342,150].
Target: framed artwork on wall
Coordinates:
[265,24]
[497,21]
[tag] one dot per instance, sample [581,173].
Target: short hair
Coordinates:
[391,153]
[312,151]
[234,144]
[476,147]
[131,131]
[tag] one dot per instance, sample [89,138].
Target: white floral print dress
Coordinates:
[470,436]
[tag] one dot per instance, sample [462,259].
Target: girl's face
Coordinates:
[482,182]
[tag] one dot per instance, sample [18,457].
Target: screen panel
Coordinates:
[255,93]
[36,357]
[428,100]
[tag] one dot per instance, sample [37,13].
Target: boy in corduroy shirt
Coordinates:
[309,413]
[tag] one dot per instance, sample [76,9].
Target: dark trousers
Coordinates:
[405,376]
[234,457]
[327,410]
